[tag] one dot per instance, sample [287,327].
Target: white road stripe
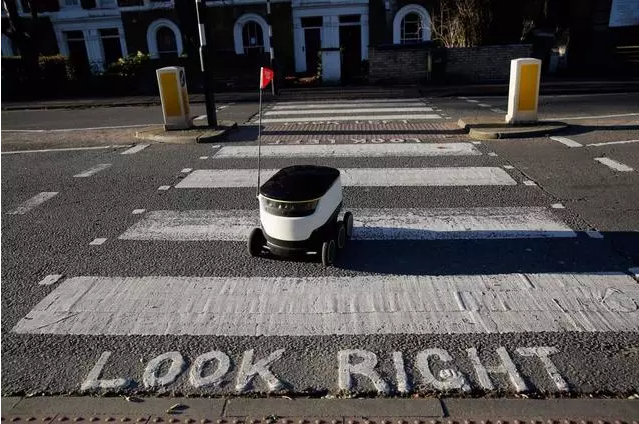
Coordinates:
[497,110]
[93,170]
[483,105]
[344,105]
[353,118]
[620,115]
[135,149]
[164,188]
[311,306]
[98,241]
[67,149]
[138,211]
[349,111]
[566,141]
[31,203]
[350,150]
[609,143]
[308,104]
[364,177]
[50,279]
[613,164]
[529,183]
[472,101]
[369,224]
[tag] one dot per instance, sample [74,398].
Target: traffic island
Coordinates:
[485,128]
[196,134]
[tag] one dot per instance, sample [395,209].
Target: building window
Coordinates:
[70,3]
[252,38]
[164,39]
[167,44]
[78,56]
[250,35]
[411,25]
[411,28]
[111,45]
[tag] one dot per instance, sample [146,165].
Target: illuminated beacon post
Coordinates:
[523,92]
[175,98]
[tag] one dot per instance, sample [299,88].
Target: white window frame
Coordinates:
[152,39]
[399,17]
[239,26]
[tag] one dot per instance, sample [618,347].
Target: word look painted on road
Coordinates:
[435,369]
[351,140]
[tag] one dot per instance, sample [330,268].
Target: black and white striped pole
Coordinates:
[270,40]
[209,98]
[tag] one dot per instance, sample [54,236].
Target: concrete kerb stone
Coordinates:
[489,129]
[196,134]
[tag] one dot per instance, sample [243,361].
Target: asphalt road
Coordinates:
[547,311]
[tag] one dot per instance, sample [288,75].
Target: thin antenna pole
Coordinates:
[259,141]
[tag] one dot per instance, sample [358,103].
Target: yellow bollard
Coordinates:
[175,98]
[523,92]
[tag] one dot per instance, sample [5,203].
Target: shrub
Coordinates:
[55,68]
[133,66]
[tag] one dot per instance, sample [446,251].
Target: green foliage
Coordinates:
[55,68]
[132,66]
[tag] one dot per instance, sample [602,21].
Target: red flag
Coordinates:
[266,76]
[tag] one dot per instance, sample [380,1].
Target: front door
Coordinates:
[350,38]
[312,45]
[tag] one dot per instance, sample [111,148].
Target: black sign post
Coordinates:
[209,98]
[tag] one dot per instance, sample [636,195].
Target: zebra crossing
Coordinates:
[357,111]
[270,305]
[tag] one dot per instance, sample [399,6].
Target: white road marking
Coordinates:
[97,242]
[345,105]
[462,98]
[164,188]
[135,149]
[112,127]
[566,141]
[31,203]
[50,279]
[619,115]
[529,183]
[509,167]
[594,234]
[93,170]
[363,177]
[493,154]
[476,143]
[310,306]
[350,150]
[610,143]
[352,118]
[472,101]
[204,157]
[138,211]
[613,164]
[186,170]
[557,206]
[497,110]
[369,224]
[483,105]
[349,111]
[66,149]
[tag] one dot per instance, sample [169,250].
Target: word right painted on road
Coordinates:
[357,370]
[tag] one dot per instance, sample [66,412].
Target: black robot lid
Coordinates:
[299,183]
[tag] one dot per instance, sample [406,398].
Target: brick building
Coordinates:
[340,39]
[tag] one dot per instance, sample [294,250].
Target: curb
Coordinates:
[193,135]
[319,411]
[491,130]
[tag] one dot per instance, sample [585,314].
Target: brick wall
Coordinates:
[484,63]
[474,64]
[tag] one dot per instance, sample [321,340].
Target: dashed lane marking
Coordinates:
[138,211]
[50,279]
[613,164]
[610,143]
[135,149]
[164,188]
[619,115]
[363,177]
[33,202]
[98,242]
[566,141]
[93,170]
[369,224]
[66,149]
[311,306]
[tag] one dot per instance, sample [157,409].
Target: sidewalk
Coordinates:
[318,411]
[346,92]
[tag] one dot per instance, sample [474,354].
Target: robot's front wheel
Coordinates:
[348,223]
[256,242]
[328,252]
